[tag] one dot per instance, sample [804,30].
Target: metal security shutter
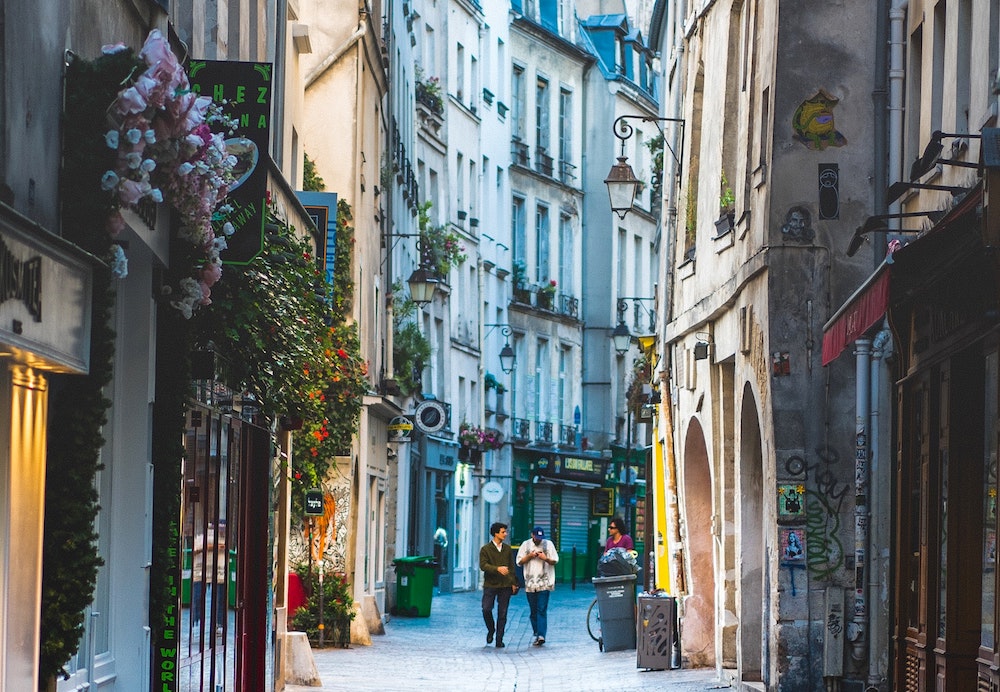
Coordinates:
[575,515]
[543,509]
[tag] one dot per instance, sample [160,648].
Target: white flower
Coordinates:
[194,141]
[149,136]
[148,165]
[111,139]
[220,244]
[226,209]
[133,159]
[156,195]
[133,135]
[228,228]
[119,262]
[184,168]
[109,181]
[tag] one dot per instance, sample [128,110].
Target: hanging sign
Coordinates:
[430,416]
[314,502]
[400,428]
[492,492]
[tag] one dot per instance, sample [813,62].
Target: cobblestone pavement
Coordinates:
[448,651]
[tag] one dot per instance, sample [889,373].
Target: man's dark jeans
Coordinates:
[502,597]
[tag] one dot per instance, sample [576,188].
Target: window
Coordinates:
[566,251]
[474,76]
[964,68]
[562,404]
[460,72]
[517,127]
[566,136]
[542,115]
[542,376]
[542,270]
[914,88]
[519,233]
[460,182]
[937,77]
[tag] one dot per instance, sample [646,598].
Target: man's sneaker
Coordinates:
[501,645]
[539,641]
[489,637]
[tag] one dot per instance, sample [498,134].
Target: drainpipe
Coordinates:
[857,632]
[878,550]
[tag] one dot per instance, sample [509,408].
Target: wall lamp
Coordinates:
[621,181]
[929,158]
[508,359]
[877,223]
[621,337]
[702,345]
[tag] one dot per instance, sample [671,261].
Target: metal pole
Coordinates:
[572,564]
[628,467]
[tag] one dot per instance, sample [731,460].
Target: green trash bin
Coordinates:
[414,585]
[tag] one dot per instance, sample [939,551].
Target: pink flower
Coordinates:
[211,273]
[156,49]
[130,101]
[131,191]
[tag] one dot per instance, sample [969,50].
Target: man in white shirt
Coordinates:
[538,557]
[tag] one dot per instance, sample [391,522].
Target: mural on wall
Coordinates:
[829,191]
[814,125]
[791,501]
[823,547]
[793,546]
[798,226]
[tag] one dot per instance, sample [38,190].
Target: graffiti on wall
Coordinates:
[814,125]
[823,502]
[798,226]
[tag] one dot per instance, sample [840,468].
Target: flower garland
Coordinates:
[169,146]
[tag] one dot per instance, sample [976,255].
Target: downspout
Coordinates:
[878,549]
[857,631]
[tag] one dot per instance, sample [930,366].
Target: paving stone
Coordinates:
[448,651]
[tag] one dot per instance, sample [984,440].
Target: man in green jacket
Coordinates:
[496,560]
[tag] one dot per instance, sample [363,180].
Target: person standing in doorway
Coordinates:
[617,538]
[538,557]
[496,560]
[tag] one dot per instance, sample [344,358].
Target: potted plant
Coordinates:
[337,609]
[727,206]
[521,292]
[428,92]
[547,294]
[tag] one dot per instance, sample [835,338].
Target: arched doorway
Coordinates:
[754,601]
[698,636]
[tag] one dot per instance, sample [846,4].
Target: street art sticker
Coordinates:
[798,226]
[792,546]
[791,501]
[829,191]
[814,125]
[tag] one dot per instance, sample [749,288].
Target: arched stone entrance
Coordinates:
[753,598]
[698,636]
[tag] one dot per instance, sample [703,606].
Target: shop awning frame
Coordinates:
[864,308]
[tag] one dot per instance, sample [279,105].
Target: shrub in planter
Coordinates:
[338,610]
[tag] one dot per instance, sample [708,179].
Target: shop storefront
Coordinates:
[45,313]
[434,461]
[565,495]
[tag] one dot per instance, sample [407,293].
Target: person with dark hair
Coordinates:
[538,557]
[617,537]
[496,560]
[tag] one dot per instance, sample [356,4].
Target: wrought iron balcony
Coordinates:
[543,430]
[567,172]
[520,430]
[567,436]
[519,153]
[543,162]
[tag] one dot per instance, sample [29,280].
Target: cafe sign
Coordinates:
[45,298]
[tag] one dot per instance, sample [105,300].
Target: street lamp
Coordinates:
[621,181]
[508,359]
[621,336]
[422,285]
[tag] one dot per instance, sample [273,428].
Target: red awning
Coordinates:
[863,309]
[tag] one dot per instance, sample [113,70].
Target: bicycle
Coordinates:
[594,624]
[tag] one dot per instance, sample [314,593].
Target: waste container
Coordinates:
[656,637]
[616,606]
[414,585]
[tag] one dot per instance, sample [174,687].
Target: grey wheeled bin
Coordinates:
[616,606]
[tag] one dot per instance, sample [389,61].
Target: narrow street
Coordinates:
[448,651]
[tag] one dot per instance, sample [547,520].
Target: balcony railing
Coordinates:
[543,432]
[519,153]
[520,430]
[567,172]
[569,306]
[567,436]
[543,162]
